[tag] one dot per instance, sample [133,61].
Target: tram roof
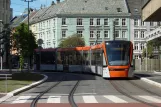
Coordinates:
[48,49]
[118,41]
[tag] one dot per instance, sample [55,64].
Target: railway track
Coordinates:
[116,86]
[70,96]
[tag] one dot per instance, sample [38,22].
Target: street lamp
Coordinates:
[1,47]
[28,10]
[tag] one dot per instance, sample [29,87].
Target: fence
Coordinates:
[147,65]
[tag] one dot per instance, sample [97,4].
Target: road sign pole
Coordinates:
[1,62]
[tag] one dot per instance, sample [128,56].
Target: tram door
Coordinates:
[37,61]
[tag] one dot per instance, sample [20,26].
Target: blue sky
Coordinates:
[19,5]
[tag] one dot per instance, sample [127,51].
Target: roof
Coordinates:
[135,6]
[18,20]
[30,16]
[22,18]
[94,7]
[83,7]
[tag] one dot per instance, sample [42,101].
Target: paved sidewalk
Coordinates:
[153,78]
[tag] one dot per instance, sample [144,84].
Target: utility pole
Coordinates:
[28,1]
[114,29]
[1,47]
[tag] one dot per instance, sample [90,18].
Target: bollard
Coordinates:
[6,84]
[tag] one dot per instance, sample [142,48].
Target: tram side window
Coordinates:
[59,59]
[78,58]
[93,60]
[99,57]
[71,58]
[85,57]
[47,57]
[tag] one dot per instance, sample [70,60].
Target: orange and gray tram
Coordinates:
[108,59]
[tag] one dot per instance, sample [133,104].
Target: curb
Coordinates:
[17,91]
[149,81]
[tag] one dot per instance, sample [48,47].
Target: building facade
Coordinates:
[63,19]
[138,28]
[5,12]
[69,17]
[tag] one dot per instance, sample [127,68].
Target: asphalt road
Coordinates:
[92,91]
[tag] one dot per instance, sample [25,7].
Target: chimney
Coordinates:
[52,3]
[58,1]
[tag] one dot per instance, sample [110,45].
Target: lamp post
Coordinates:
[1,47]
[28,1]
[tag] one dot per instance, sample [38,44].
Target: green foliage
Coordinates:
[151,45]
[21,62]
[72,41]
[24,41]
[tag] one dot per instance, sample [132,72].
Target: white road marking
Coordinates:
[151,98]
[89,99]
[115,99]
[54,99]
[21,99]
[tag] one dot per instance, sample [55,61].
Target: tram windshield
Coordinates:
[118,53]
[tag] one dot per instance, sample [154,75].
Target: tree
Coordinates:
[72,41]
[150,47]
[23,41]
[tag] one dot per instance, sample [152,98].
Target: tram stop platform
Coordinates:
[153,78]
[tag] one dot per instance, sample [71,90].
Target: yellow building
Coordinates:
[151,11]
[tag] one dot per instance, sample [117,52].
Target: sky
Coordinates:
[19,5]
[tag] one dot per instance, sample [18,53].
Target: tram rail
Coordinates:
[70,96]
[116,86]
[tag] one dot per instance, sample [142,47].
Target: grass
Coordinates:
[18,80]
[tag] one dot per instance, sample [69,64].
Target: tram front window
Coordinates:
[118,54]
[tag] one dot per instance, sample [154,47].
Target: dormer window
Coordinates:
[136,10]
[119,10]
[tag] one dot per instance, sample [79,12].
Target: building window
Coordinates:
[119,10]
[123,34]
[116,22]
[142,34]
[98,21]
[91,43]
[117,34]
[80,33]
[53,33]
[136,46]
[91,22]
[136,34]
[136,56]
[91,34]
[123,22]
[53,22]
[105,21]
[63,34]
[79,21]
[49,23]
[63,21]
[158,23]
[142,46]
[136,22]
[98,34]
[142,23]
[54,44]
[151,24]
[106,35]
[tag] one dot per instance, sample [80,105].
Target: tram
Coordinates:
[108,59]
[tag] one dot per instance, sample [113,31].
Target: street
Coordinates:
[91,90]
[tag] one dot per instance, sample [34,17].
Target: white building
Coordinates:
[139,29]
